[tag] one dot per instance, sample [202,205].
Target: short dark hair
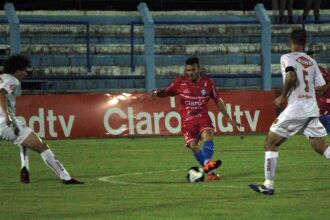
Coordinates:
[310,52]
[298,36]
[192,60]
[14,63]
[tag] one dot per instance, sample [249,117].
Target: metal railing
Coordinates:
[87,36]
[133,24]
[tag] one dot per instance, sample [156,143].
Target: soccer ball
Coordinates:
[195,174]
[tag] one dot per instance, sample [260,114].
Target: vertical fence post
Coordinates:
[132,47]
[266,46]
[149,46]
[14,34]
[14,29]
[88,50]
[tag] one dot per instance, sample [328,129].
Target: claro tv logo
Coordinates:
[149,123]
[40,121]
[128,119]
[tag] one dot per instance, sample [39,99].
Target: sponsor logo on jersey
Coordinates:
[186,91]
[200,102]
[304,61]
[203,92]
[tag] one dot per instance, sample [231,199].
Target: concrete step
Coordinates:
[160,60]
[173,70]
[57,39]
[187,49]
[170,70]
[163,30]
[26,40]
[155,14]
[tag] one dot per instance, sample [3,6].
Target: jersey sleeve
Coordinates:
[172,89]
[285,62]
[214,91]
[319,80]
[7,85]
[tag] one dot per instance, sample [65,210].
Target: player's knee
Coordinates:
[207,135]
[269,145]
[42,147]
[45,145]
[194,148]
[209,138]
[273,143]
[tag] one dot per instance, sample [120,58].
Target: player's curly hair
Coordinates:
[14,63]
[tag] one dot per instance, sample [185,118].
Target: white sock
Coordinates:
[326,153]
[50,160]
[205,161]
[270,168]
[24,157]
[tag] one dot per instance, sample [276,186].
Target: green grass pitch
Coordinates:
[144,178]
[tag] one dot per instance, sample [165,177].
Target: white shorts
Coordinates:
[287,127]
[7,133]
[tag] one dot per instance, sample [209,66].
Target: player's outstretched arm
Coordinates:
[222,108]
[159,93]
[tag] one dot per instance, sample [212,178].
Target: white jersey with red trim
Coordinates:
[302,99]
[9,84]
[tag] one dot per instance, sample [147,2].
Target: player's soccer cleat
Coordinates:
[211,165]
[260,188]
[71,181]
[213,176]
[25,176]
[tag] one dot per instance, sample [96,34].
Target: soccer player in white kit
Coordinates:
[15,69]
[301,77]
